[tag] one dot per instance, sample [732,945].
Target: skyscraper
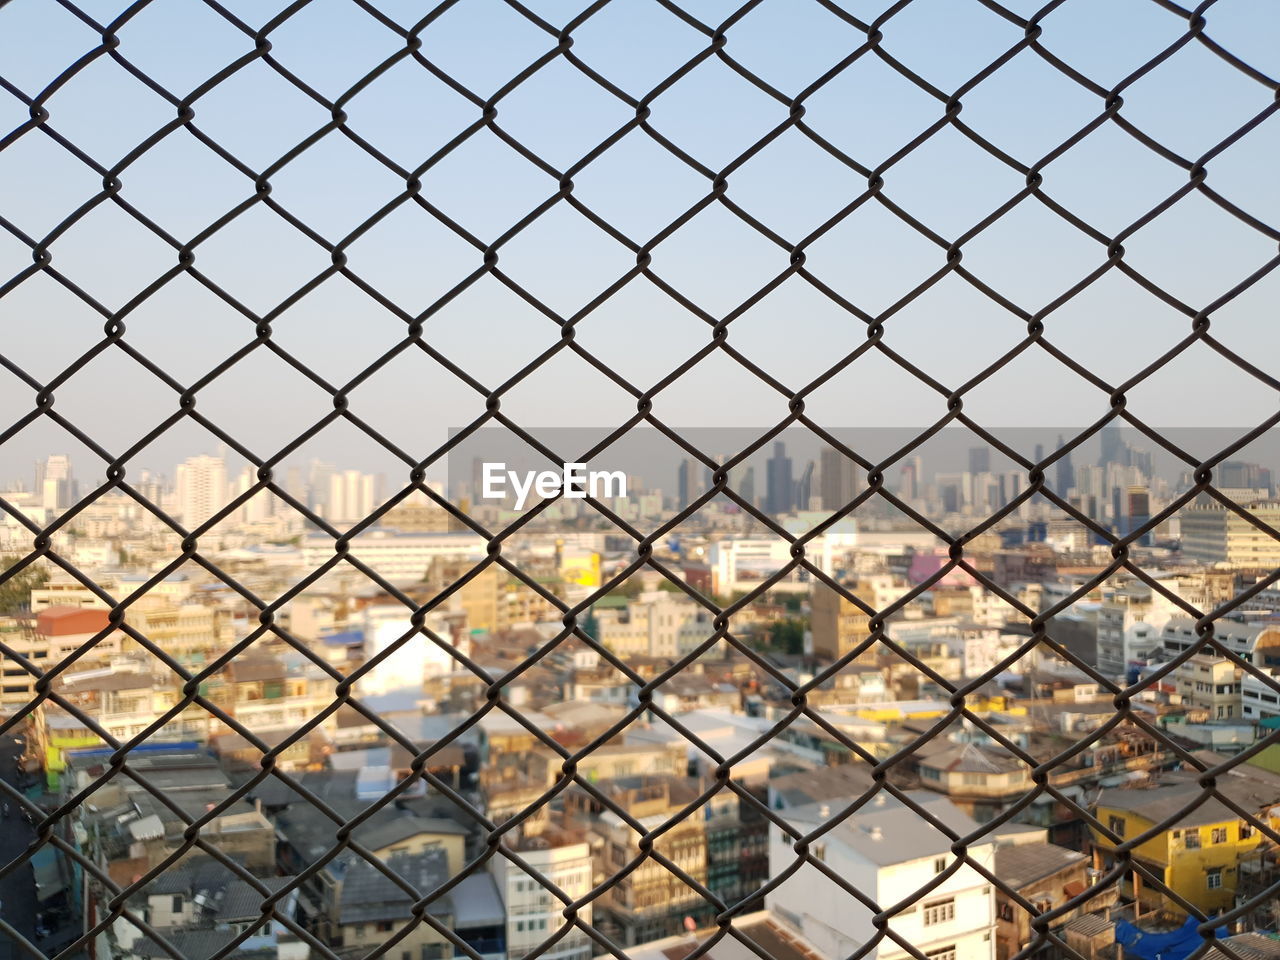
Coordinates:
[837,479]
[747,486]
[259,507]
[803,490]
[352,496]
[779,495]
[691,481]
[912,473]
[202,489]
[318,474]
[979,460]
[1114,448]
[55,483]
[1066,472]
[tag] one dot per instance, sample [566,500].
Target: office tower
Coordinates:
[912,474]
[318,475]
[259,507]
[803,490]
[1138,503]
[979,460]
[202,489]
[1113,446]
[1233,474]
[352,496]
[54,482]
[691,481]
[747,487]
[1039,453]
[1066,473]
[951,497]
[1141,461]
[779,491]
[837,479]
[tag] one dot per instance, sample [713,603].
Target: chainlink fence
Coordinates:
[106,39]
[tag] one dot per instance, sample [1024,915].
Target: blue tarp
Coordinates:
[1171,945]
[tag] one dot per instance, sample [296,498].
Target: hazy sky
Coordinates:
[1195,250]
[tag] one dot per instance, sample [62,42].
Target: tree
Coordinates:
[15,593]
[787,636]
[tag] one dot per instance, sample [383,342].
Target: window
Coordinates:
[1116,825]
[385,926]
[942,953]
[939,864]
[177,905]
[820,851]
[1213,880]
[940,911]
[1246,831]
[1193,839]
[1218,835]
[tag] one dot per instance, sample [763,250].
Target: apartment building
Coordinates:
[888,852]
[649,902]
[657,623]
[1210,684]
[534,914]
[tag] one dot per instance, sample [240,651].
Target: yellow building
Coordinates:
[1199,857]
[580,567]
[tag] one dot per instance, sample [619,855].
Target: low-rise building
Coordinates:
[888,853]
[1197,856]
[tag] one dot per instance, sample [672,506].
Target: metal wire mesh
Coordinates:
[716,44]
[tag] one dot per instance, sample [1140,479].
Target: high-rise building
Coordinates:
[1114,449]
[912,473]
[259,507]
[1066,473]
[979,460]
[352,496]
[55,483]
[802,498]
[747,486]
[201,489]
[691,481]
[837,479]
[1138,506]
[318,474]
[779,494]
[1234,474]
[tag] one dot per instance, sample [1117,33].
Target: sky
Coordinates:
[1195,250]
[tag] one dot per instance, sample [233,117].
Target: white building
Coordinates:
[533,913]
[352,496]
[397,556]
[413,662]
[740,563]
[886,851]
[54,483]
[201,489]
[260,507]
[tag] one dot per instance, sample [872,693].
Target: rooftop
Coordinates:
[886,831]
[1022,864]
